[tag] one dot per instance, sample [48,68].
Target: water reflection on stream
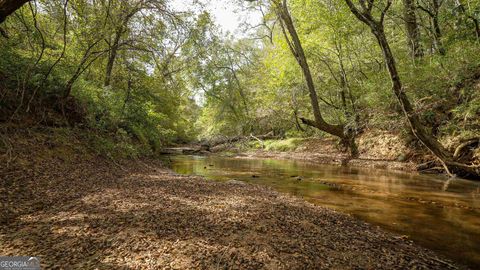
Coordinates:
[445,218]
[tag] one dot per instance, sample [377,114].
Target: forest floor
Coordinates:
[75,210]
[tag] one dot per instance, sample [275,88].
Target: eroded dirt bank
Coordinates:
[377,149]
[85,213]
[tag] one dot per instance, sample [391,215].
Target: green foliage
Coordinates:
[114,147]
[148,102]
[283,145]
[175,79]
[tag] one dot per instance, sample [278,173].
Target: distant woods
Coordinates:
[146,73]
[118,67]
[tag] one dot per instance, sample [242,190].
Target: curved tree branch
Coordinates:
[7,7]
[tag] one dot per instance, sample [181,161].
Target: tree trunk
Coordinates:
[129,89]
[476,24]
[413,31]
[432,11]
[417,127]
[445,157]
[460,7]
[297,123]
[120,30]
[343,97]
[299,53]
[112,56]
[295,45]
[436,27]
[84,65]
[7,7]
[438,36]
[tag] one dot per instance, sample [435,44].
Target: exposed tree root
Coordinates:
[347,137]
[464,170]
[460,150]
[451,168]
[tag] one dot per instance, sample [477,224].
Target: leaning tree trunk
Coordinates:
[460,7]
[295,45]
[447,159]
[476,24]
[7,7]
[417,127]
[299,53]
[120,30]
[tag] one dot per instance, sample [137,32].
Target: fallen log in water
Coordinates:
[204,147]
[181,150]
[235,139]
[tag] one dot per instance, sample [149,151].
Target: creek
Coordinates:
[433,211]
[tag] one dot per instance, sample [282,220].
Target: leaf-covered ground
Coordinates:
[84,212]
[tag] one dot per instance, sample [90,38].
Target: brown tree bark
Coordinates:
[411,25]
[468,15]
[476,24]
[376,26]
[7,7]
[88,58]
[120,30]
[112,56]
[433,13]
[417,127]
[296,48]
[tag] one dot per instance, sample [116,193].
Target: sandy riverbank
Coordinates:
[89,213]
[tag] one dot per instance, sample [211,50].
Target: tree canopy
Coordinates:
[143,71]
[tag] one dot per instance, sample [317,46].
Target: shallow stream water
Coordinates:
[437,213]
